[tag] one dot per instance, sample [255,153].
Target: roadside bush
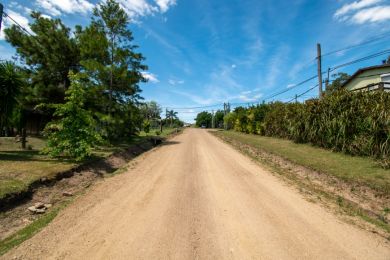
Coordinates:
[354,123]
[146,126]
[74,133]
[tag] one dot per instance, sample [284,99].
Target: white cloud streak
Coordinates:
[374,14]
[134,8]
[357,5]
[19,18]
[58,7]
[363,11]
[150,77]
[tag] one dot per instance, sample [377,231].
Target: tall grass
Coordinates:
[356,123]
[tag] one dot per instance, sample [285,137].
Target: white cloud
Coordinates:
[373,14]
[363,11]
[20,19]
[139,8]
[57,7]
[357,5]
[234,66]
[164,5]
[175,82]
[150,77]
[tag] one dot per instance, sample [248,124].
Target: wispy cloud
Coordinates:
[19,18]
[164,5]
[357,5]
[174,82]
[374,14]
[134,8]
[58,7]
[275,66]
[150,77]
[363,11]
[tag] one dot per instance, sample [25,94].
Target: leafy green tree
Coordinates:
[146,126]
[218,117]
[11,83]
[172,115]
[203,119]
[74,133]
[337,82]
[49,55]
[229,120]
[151,111]
[114,67]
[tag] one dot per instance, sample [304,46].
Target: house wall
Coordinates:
[365,78]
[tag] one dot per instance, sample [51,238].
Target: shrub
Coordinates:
[354,123]
[74,133]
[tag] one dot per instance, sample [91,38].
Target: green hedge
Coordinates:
[356,123]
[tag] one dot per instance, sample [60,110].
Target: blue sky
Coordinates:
[207,52]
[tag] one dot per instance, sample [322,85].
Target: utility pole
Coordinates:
[212,119]
[319,70]
[327,80]
[296,98]
[1,14]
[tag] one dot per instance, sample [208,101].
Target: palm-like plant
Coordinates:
[10,86]
[172,115]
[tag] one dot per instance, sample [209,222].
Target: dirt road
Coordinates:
[198,198]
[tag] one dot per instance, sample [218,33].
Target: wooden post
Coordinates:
[23,138]
[1,14]
[319,70]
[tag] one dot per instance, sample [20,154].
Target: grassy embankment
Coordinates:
[352,169]
[19,168]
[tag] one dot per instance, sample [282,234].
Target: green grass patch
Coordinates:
[352,169]
[165,133]
[30,230]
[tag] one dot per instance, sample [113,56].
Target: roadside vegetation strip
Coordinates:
[319,186]
[30,230]
[22,170]
[351,169]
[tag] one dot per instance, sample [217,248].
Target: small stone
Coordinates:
[67,193]
[32,209]
[48,205]
[39,205]
[40,211]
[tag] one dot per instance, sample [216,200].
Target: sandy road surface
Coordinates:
[198,198]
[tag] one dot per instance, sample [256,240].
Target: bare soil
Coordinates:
[198,198]
[16,216]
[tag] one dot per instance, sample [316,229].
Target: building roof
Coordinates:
[361,70]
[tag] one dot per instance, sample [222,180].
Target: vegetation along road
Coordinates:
[198,198]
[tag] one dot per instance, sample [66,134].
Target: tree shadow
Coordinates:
[30,156]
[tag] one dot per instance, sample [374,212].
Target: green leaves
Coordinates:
[75,133]
[11,82]
[356,123]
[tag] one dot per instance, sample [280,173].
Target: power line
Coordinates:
[374,55]
[307,91]
[19,25]
[296,85]
[379,37]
